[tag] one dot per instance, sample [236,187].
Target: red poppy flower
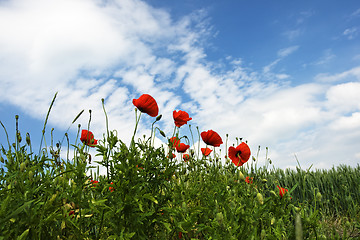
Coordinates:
[211,138]
[181,118]
[206,151]
[182,147]
[174,142]
[171,155]
[186,157]
[240,154]
[282,191]
[248,179]
[111,189]
[180,235]
[94,183]
[87,138]
[139,167]
[147,104]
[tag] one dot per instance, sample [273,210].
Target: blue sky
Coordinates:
[283,75]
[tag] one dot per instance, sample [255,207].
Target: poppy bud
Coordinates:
[28,139]
[18,137]
[241,176]
[158,117]
[22,166]
[272,221]
[318,196]
[162,133]
[297,209]
[260,198]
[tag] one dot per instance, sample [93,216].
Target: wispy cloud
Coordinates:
[293,34]
[351,33]
[349,75]
[287,51]
[356,13]
[325,58]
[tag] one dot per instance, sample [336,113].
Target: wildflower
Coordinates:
[206,151]
[180,235]
[248,179]
[211,138]
[186,157]
[182,147]
[181,118]
[174,142]
[240,154]
[282,191]
[147,104]
[87,138]
[111,189]
[94,183]
[171,156]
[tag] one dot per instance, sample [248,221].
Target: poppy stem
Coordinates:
[152,133]
[197,128]
[136,125]
[192,136]
[106,117]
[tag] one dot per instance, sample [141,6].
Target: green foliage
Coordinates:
[148,195]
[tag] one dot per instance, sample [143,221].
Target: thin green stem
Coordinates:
[136,126]
[197,128]
[7,136]
[46,119]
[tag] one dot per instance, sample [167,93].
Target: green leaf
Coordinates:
[24,234]
[151,198]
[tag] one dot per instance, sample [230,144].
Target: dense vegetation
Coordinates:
[149,194]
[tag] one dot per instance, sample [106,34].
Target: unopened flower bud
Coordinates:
[22,166]
[260,198]
[28,139]
[241,176]
[318,196]
[18,137]
[273,193]
[158,117]
[162,133]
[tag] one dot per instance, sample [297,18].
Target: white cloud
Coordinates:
[325,58]
[351,33]
[348,75]
[287,51]
[344,97]
[293,34]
